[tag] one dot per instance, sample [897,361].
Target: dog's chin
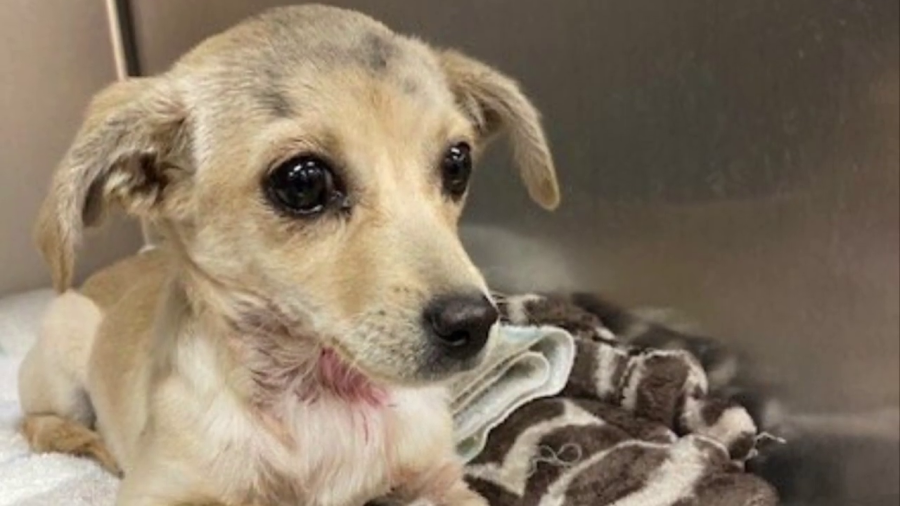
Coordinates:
[432,371]
[438,367]
[427,369]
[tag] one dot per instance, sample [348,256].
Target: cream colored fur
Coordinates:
[194,365]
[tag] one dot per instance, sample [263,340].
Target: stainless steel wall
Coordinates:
[54,54]
[736,161]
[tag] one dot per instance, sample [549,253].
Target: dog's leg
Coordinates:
[162,480]
[58,413]
[460,495]
[53,374]
[51,433]
[439,485]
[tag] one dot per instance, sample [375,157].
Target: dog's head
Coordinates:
[311,166]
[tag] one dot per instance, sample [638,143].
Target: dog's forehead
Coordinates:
[315,71]
[286,50]
[353,70]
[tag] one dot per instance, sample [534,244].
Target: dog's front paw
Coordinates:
[470,499]
[441,485]
[459,495]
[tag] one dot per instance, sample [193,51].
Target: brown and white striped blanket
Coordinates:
[635,425]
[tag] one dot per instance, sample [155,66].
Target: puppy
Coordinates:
[287,341]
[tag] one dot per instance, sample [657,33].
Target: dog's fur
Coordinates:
[255,358]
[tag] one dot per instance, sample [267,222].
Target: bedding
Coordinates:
[634,425]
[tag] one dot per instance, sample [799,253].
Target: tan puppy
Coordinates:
[286,344]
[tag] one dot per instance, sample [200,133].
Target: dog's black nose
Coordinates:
[461,324]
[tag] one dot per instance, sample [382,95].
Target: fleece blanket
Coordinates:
[635,425]
[626,423]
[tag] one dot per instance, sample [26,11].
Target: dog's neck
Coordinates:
[338,378]
[286,368]
[281,359]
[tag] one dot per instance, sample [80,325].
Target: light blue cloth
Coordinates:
[522,364]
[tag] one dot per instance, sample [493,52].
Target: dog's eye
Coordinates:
[303,185]
[456,168]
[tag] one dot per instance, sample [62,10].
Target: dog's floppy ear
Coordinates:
[126,152]
[496,105]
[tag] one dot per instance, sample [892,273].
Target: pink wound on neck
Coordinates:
[346,382]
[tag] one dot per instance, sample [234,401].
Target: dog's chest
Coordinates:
[337,454]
